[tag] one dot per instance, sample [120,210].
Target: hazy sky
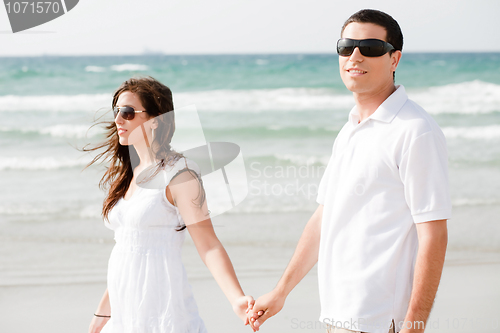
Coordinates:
[248,26]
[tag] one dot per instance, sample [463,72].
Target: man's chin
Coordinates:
[356,89]
[352,85]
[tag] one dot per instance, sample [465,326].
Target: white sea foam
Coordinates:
[263,206]
[303,159]
[300,203]
[92,211]
[27,209]
[475,202]
[463,98]
[285,99]
[61,130]
[275,127]
[311,128]
[475,133]
[59,103]
[96,69]
[39,163]
[70,131]
[129,67]
[257,100]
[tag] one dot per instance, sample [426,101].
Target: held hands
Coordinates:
[265,307]
[241,306]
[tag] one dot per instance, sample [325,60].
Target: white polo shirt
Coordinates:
[385,174]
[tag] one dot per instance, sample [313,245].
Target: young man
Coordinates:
[379,234]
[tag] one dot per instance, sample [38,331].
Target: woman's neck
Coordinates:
[145,155]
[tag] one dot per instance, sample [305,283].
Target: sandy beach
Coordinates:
[467,302]
[55,283]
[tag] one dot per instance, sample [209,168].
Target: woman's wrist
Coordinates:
[103,311]
[236,296]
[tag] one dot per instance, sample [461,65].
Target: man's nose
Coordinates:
[356,55]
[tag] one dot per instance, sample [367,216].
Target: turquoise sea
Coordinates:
[284,111]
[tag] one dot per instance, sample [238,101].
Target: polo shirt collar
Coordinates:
[387,110]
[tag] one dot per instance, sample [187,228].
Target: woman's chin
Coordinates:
[123,141]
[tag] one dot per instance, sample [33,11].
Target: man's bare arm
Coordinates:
[303,259]
[432,242]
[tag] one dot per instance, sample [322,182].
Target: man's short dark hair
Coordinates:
[394,35]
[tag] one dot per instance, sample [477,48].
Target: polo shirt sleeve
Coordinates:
[323,185]
[424,173]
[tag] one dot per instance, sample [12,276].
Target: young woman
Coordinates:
[148,291]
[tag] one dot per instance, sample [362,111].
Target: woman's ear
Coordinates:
[154,123]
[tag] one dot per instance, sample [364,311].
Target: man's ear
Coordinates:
[395,57]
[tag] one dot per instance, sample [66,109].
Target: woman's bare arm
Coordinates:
[184,191]
[103,309]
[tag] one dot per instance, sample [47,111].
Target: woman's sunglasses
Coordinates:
[367,47]
[126,112]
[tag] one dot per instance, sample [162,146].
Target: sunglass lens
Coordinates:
[371,48]
[345,47]
[126,112]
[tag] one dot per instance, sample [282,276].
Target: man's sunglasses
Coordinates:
[126,112]
[367,47]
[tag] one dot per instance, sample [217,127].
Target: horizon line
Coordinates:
[153,53]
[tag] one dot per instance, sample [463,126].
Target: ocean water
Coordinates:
[284,111]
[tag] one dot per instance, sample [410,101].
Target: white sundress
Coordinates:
[147,283]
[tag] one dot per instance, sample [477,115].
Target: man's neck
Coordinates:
[367,103]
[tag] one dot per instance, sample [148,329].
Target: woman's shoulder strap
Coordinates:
[179,166]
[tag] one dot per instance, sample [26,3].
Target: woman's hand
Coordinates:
[241,306]
[97,324]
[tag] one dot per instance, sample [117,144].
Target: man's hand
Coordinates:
[265,307]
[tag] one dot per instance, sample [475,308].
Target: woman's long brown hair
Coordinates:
[156,99]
